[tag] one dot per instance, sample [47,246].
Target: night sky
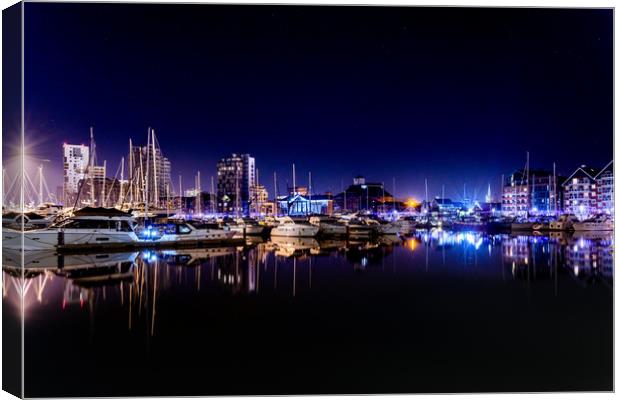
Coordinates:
[453,95]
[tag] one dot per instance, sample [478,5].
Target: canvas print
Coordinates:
[226,199]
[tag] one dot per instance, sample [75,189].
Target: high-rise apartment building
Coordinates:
[75,168]
[236,176]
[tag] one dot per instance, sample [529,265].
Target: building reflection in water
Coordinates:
[282,266]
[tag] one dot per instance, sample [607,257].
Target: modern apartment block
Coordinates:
[538,193]
[75,168]
[236,175]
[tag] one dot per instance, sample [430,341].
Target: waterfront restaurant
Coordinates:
[298,205]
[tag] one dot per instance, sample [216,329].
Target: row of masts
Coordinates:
[36,190]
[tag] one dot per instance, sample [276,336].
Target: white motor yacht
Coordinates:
[25,221]
[250,226]
[328,226]
[360,227]
[89,227]
[290,228]
[598,223]
[184,232]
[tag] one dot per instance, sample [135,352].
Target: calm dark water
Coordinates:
[435,312]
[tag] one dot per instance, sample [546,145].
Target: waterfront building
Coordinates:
[515,195]
[75,166]
[258,196]
[362,195]
[604,181]
[446,207]
[268,208]
[236,175]
[298,205]
[537,193]
[580,192]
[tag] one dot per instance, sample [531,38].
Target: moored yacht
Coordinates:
[290,228]
[184,232]
[89,227]
[598,223]
[359,228]
[328,226]
[383,227]
[25,221]
[248,226]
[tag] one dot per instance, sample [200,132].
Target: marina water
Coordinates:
[435,311]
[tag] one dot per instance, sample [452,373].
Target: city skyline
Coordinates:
[455,98]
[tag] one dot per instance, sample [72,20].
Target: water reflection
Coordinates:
[134,282]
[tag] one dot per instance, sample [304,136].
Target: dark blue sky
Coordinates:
[454,95]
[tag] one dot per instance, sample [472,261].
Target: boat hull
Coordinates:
[389,229]
[250,230]
[362,231]
[590,226]
[295,231]
[527,226]
[204,236]
[332,230]
[48,239]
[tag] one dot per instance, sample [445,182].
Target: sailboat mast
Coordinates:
[255,194]
[180,195]
[198,194]
[146,181]
[555,192]
[275,193]
[90,169]
[212,195]
[310,192]
[237,203]
[103,185]
[528,193]
[294,184]
[130,188]
[155,188]
[120,195]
